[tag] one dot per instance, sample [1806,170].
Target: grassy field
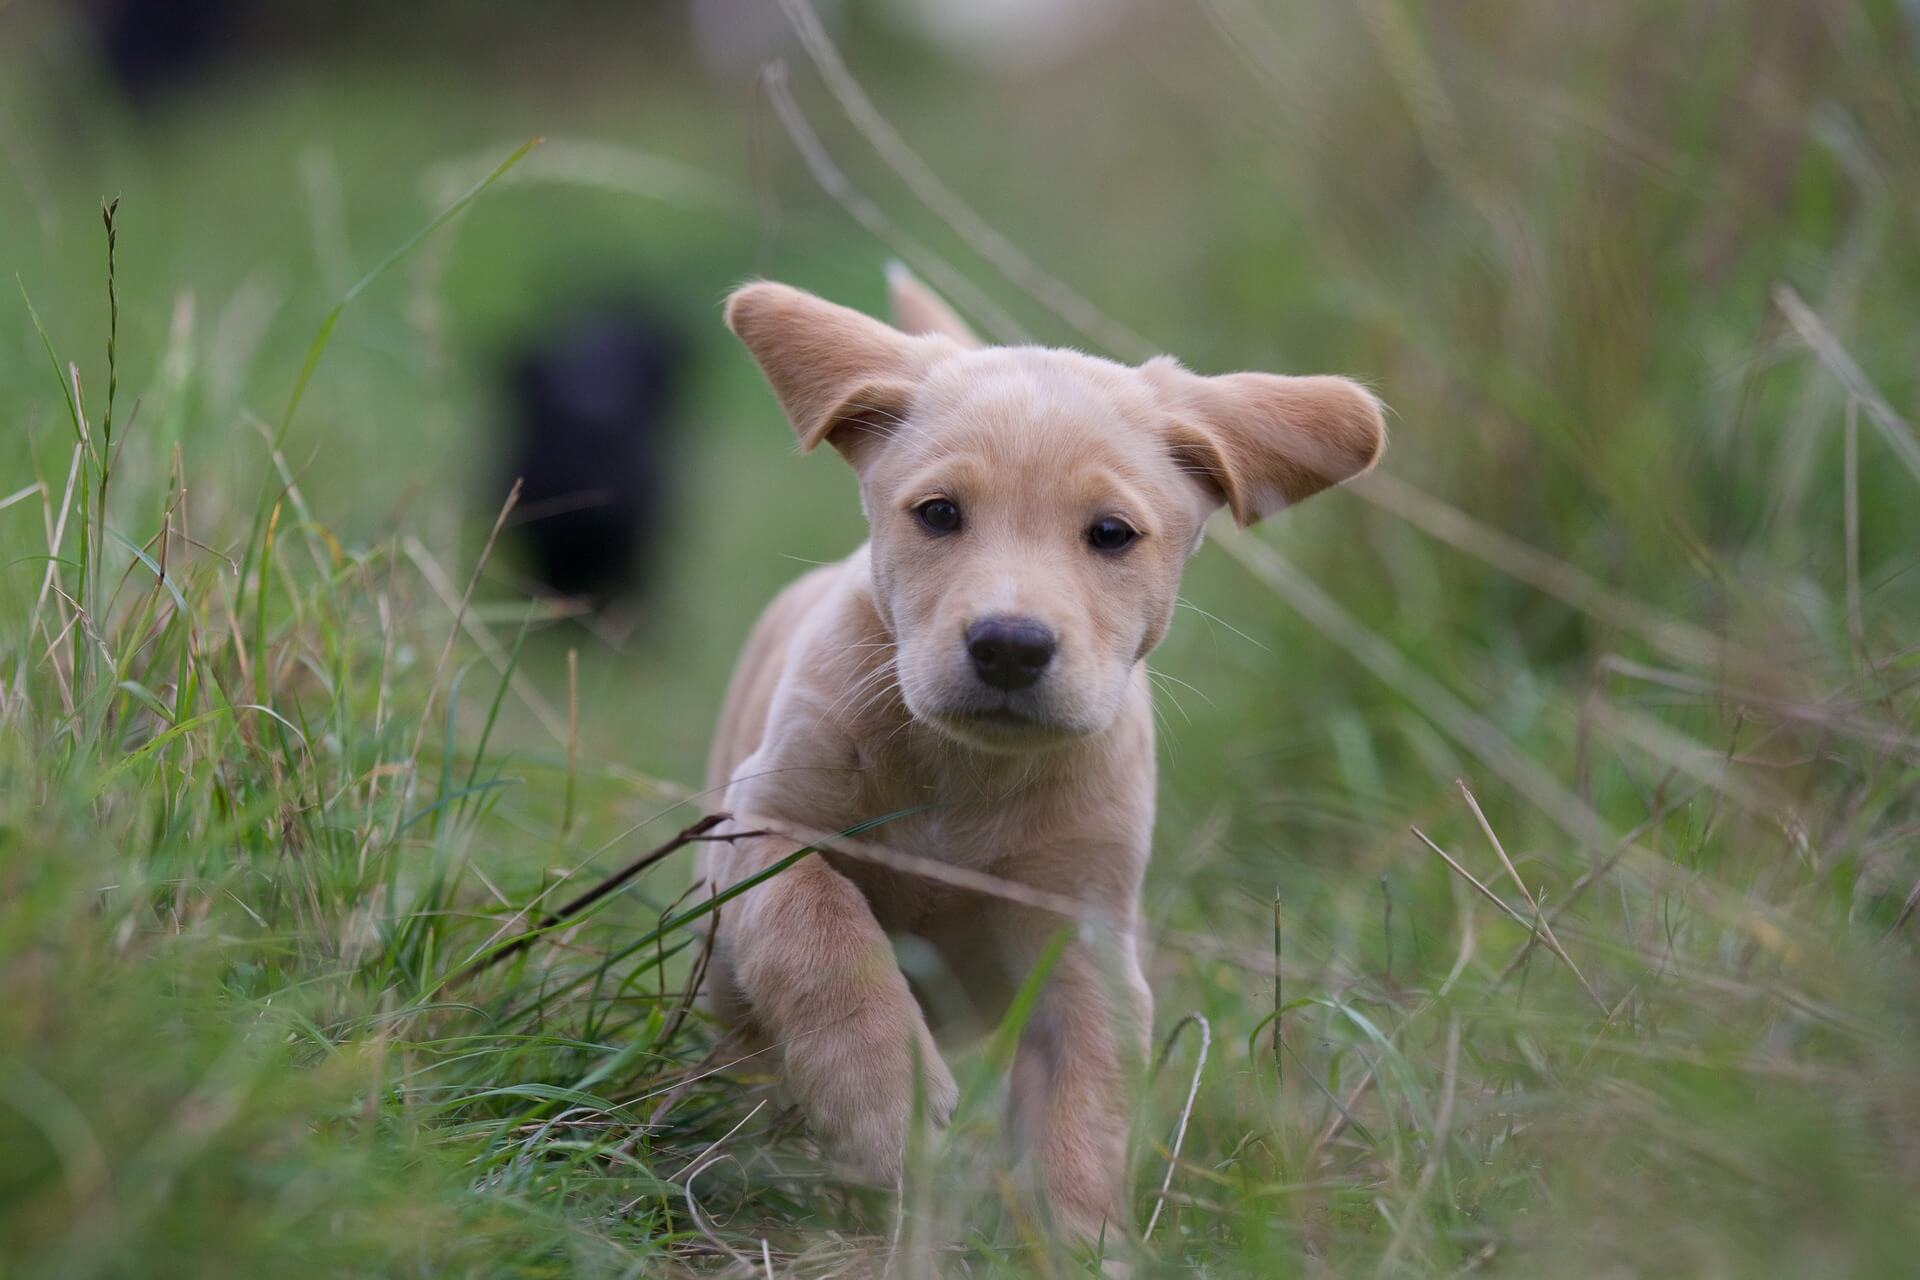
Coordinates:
[1538,832]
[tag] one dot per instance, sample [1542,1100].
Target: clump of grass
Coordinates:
[237,880]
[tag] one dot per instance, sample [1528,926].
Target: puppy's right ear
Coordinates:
[842,377]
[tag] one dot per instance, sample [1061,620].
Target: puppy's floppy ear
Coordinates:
[842,377]
[918,309]
[1261,442]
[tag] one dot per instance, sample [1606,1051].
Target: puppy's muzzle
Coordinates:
[1010,652]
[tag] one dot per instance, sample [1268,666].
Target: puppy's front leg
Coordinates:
[1073,1081]
[822,983]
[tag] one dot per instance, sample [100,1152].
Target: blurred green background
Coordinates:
[1628,275]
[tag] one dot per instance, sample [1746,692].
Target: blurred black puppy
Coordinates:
[589,436]
[151,46]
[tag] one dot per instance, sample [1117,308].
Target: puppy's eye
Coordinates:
[937,515]
[1111,534]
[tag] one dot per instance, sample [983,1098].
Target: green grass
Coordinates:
[1639,285]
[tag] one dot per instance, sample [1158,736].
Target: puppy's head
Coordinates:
[1032,508]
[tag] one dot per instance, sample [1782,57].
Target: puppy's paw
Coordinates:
[942,1092]
[856,1084]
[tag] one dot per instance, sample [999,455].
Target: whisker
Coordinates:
[858,687]
[1161,675]
[1154,703]
[1181,603]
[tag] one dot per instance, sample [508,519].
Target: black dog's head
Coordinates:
[587,436]
[151,46]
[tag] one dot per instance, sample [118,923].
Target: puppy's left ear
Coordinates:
[1260,442]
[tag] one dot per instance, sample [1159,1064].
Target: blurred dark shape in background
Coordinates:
[589,429]
[153,46]
[156,47]
[159,49]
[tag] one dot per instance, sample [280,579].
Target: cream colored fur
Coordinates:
[855,698]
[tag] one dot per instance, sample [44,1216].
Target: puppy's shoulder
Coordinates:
[800,620]
[824,609]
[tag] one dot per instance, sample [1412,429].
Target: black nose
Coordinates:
[1009,653]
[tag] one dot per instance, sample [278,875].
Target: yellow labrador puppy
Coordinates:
[979,663]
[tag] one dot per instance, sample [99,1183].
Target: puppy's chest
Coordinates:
[963,808]
[904,902]
[964,833]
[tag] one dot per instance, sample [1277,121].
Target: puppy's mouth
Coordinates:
[1002,726]
[1009,717]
